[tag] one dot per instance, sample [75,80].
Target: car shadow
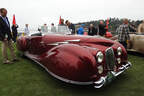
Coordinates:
[135,53]
[54,83]
[117,83]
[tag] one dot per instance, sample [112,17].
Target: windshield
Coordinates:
[63,30]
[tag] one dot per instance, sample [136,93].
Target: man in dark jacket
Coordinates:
[5,37]
[92,30]
[102,28]
[132,28]
[14,32]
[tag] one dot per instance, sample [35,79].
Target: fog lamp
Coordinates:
[119,60]
[100,69]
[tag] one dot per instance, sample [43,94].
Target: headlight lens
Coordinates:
[119,51]
[100,57]
[100,69]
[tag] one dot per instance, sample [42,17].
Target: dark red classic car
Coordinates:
[81,60]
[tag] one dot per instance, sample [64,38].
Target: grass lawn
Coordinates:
[26,78]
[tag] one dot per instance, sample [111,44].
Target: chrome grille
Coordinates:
[110,59]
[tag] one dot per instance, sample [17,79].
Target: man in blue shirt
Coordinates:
[81,30]
[6,37]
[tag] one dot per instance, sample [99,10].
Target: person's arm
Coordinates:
[119,32]
[83,30]
[132,28]
[105,29]
[73,28]
[88,31]
[17,26]
[95,31]
[2,37]
[12,28]
[25,30]
[78,31]
[127,33]
[98,30]
[128,36]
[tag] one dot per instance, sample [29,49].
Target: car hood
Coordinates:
[82,40]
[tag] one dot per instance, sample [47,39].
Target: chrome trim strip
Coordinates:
[65,42]
[58,43]
[76,40]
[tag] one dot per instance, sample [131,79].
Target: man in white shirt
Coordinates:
[26,30]
[44,28]
[53,28]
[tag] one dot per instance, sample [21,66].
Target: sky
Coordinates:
[37,12]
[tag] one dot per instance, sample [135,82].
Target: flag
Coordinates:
[60,20]
[108,34]
[14,21]
[107,23]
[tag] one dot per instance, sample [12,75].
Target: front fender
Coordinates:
[71,62]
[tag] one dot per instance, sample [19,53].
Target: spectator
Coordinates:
[53,28]
[85,31]
[67,23]
[141,27]
[102,28]
[26,30]
[62,22]
[44,28]
[123,33]
[6,37]
[70,26]
[132,28]
[39,29]
[81,30]
[14,32]
[92,30]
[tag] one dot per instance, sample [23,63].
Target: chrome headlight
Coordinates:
[100,57]
[100,69]
[119,51]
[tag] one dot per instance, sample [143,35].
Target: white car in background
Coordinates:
[136,42]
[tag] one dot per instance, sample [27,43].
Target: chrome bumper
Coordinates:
[103,80]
